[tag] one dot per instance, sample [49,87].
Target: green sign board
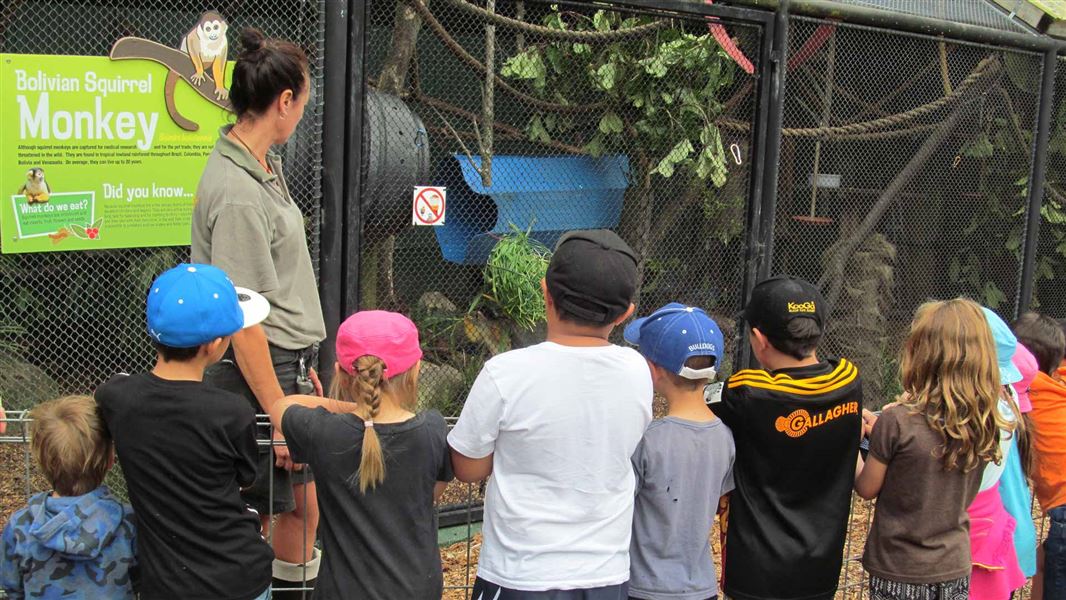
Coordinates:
[90,157]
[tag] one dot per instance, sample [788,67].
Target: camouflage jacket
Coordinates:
[79,547]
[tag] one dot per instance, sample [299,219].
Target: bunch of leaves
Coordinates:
[660,93]
[1003,148]
[512,275]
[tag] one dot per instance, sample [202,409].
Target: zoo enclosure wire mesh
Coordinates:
[75,332]
[71,320]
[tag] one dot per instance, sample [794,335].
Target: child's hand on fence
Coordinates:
[868,421]
[3,423]
[281,453]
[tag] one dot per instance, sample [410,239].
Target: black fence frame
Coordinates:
[346,38]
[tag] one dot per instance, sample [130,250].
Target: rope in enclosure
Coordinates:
[884,127]
[988,65]
[461,53]
[588,37]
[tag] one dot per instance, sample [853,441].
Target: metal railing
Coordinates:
[853,579]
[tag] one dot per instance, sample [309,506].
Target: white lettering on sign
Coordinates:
[41,123]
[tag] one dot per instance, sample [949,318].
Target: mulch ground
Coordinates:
[460,560]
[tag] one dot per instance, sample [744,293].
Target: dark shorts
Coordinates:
[483,590]
[272,491]
[883,589]
[1055,555]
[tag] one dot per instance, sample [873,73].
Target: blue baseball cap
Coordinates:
[191,305]
[671,335]
[1006,344]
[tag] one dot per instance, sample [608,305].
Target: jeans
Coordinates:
[265,595]
[1055,556]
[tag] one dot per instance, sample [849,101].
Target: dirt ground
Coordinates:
[852,577]
[460,560]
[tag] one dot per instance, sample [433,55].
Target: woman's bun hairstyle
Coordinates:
[265,68]
[251,42]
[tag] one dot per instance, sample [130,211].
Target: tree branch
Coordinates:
[833,276]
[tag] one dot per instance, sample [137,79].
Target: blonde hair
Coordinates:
[363,389]
[71,444]
[951,376]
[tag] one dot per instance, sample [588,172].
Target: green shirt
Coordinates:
[246,223]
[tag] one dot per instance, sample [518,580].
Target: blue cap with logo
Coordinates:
[191,305]
[675,333]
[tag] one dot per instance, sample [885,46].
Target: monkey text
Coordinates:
[41,123]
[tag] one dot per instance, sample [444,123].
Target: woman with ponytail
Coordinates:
[246,223]
[379,466]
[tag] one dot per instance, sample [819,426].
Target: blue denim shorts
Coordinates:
[1055,556]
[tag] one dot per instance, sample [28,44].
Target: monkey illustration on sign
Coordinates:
[36,188]
[206,46]
[201,62]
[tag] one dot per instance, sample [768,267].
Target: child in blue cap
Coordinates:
[187,448]
[684,464]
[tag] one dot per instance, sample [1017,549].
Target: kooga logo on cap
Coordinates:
[794,307]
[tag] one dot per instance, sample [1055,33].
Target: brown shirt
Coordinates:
[921,532]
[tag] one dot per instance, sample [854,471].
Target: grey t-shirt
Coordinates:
[683,468]
[246,224]
[921,531]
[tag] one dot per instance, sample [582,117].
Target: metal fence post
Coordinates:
[1031,233]
[774,122]
[353,183]
[767,157]
[331,248]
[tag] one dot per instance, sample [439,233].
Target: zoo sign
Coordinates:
[106,151]
[429,206]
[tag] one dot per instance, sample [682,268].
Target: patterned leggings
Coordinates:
[883,589]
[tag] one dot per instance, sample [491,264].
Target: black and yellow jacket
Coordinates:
[797,437]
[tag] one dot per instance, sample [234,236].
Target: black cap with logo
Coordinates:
[778,300]
[593,275]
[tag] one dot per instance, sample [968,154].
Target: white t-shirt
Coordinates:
[562,423]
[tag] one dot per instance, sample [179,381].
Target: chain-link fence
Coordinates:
[903,171]
[71,320]
[600,118]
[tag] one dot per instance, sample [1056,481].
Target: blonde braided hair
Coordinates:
[363,388]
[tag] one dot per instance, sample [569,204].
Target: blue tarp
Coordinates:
[548,195]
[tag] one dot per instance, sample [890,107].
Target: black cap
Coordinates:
[593,275]
[776,301]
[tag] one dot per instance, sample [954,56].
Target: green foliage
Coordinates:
[661,94]
[513,273]
[966,268]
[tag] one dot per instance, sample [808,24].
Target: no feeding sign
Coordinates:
[428,206]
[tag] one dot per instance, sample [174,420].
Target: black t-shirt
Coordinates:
[382,544]
[797,437]
[186,449]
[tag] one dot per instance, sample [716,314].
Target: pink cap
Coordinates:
[389,336]
[1027,365]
